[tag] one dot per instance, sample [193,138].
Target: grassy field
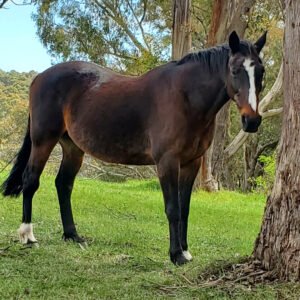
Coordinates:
[127,253]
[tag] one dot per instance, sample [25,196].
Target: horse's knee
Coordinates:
[63,183]
[172,212]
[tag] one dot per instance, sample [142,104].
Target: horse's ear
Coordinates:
[259,44]
[234,42]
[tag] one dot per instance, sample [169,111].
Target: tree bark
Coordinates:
[228,15]
[250,160]
[181,29]
[278,244]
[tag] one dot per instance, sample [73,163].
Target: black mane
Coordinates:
[214,58]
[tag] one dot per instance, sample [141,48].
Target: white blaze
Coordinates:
[26,233]
[252,93]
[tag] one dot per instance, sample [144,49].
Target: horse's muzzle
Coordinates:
[251,124]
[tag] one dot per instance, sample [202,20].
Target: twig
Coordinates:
[186,279]
[249,275]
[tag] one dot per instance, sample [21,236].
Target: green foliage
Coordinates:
[14,88]
[142,65]
[117,34]
[131,36]
[265,181]
[201,17]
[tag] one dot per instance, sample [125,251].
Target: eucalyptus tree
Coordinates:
[127,35]
[277,247]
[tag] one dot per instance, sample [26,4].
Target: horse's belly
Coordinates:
[127,151]
[137,159]
[115,146]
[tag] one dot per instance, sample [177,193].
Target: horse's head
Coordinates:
[245,78]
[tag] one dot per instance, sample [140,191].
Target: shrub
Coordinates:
[265,181]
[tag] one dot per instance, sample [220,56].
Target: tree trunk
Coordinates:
[181,29]
[278,244]
[250,160]
[228,15]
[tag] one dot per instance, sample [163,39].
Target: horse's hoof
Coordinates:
[31,244]
[74,237]
[178,258]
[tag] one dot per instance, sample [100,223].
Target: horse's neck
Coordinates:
[208,93]
[221,99]
[216,73]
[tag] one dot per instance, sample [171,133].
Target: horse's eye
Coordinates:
[234,72]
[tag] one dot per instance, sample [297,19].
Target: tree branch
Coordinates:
[139,24]
[144,12]
[242,136]
[272,112]
[110,11]
[276,88]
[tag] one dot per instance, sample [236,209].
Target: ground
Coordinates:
[127,253]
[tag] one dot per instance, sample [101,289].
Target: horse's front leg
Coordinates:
[168,173]
[187,177]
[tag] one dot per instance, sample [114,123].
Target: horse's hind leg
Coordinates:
[37,160]
[70,165]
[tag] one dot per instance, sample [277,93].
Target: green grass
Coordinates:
[127,254]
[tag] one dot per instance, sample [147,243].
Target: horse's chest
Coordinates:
[199,142]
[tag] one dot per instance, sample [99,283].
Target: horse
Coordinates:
[165,117]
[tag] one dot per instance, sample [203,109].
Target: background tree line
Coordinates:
[134,36]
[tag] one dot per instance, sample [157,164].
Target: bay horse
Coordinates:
[165,117]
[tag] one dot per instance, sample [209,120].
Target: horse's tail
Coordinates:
[13,185]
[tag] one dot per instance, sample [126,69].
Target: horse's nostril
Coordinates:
[251,124]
